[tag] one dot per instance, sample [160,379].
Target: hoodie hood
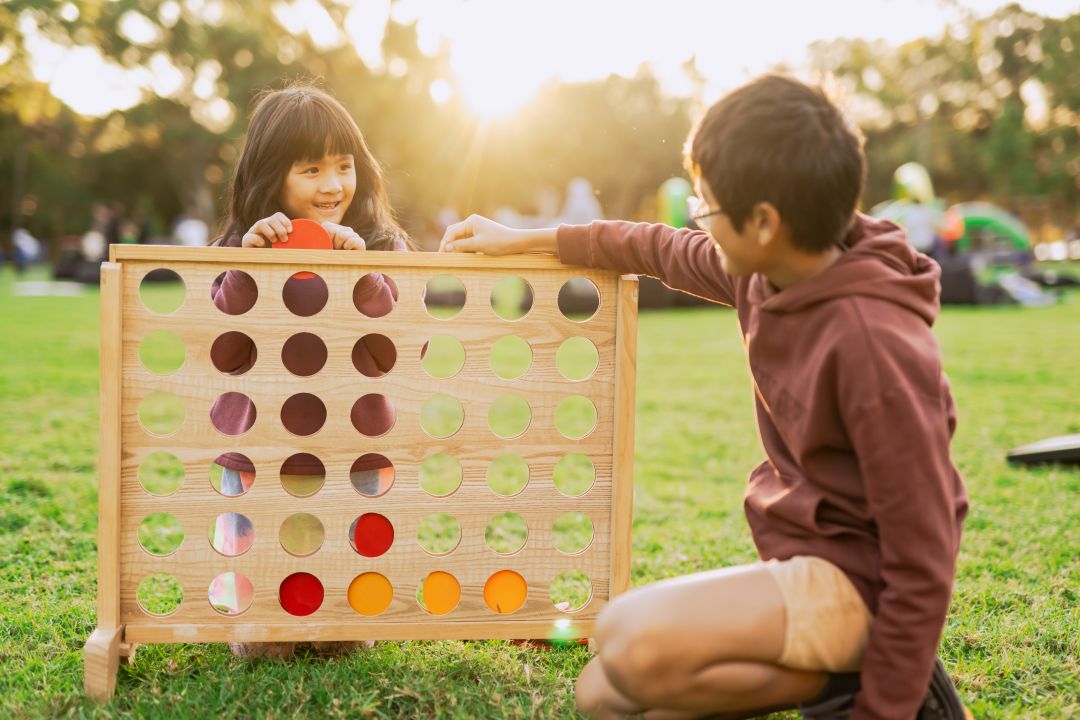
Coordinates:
[879,263]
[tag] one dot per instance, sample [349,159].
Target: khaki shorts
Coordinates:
[828,624]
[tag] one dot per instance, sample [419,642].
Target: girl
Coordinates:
[304,157]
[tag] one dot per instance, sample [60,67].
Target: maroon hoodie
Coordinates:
[375,295]
[855,416]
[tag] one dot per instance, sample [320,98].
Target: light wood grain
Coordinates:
[622,498]
[269,323]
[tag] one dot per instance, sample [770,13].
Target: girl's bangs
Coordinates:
[320,130]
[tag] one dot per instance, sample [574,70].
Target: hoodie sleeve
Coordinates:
[900,420]
[682,259]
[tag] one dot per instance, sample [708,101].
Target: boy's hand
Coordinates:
[479,234]
[344,238]
[275,228]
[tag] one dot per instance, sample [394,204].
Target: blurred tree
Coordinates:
[990,107]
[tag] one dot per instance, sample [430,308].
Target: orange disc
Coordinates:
[306,235]
[370,593]
[442,592]
[505,591]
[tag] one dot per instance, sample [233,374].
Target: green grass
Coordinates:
[1010,641]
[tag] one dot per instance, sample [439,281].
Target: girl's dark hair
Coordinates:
[779,141]
[297,124]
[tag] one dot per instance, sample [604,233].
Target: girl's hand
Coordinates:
[344,238]
[275,228]
[479,234]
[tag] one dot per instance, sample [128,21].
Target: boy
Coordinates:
[856,511]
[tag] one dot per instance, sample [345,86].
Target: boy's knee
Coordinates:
[632,655]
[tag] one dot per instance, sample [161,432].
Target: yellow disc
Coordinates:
[370,593]
[505,591]
[442,592]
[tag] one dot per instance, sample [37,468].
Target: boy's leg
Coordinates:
[701,644]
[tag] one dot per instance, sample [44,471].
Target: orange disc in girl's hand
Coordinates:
[307,235]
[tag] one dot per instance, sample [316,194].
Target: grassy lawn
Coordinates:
[1011,640]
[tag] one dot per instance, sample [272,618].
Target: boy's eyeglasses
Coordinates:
[697,209]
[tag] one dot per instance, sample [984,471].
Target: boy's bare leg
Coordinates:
[697,645]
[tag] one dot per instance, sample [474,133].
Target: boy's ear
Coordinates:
[765,220]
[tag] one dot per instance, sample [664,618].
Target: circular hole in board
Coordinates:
[304,354]
[506,533]
[160,534]
[231,534]
[509,416]
[161,352]
[511,357]
[372,475]
[230,593]
[439,533]
[575,417]
[300,594]
[373,415]
[302,474]
[441,416]
[374,355]
[234,292]
[371,534]
[571,590]
[228,481]
[370,593]
[444,296]
[505,591]
[233,413]
[159,594]
[162,291]
[508,474]
[439,592]
[161,413]
[161,473]
[511,298]
[440,474]
[233,353]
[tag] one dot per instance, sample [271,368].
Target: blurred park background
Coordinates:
[129,114]
[121,121]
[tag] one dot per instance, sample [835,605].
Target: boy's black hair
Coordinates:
[783,142]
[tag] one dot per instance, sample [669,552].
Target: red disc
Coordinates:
[300,594]
[306,235]
[373,535]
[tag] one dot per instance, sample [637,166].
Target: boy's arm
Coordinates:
[900,422]
[683,259]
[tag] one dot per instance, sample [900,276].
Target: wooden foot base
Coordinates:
[101,657]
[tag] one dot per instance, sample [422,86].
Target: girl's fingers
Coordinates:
[354,243]
[254,240]
[280,229]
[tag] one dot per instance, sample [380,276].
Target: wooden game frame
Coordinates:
[124,443]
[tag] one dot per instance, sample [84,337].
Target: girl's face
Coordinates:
[319,190]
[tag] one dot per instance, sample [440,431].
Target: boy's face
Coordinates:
[742,252]
[319,190]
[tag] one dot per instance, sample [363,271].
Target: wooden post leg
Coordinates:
[101,658]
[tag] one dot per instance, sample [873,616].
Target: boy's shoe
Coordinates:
[340,648]
[942,701]
[837,700]
[271,650]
